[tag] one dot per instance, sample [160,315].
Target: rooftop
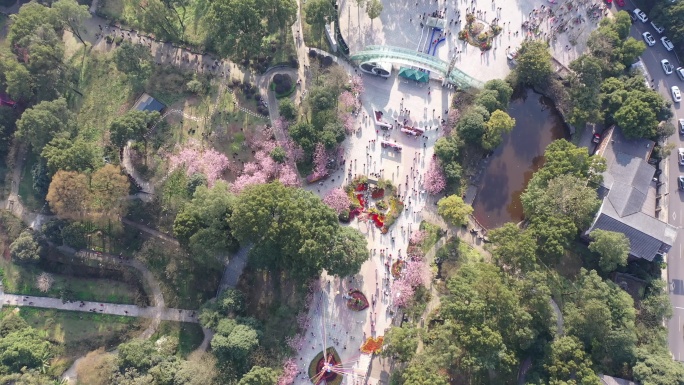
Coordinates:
[147,103]
[628,194]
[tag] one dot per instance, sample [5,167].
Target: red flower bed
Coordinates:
[378,220]
[361,201]
[361,187]
[372,345]
[358,301]
[378,193]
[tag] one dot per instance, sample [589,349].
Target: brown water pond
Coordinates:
[511,165]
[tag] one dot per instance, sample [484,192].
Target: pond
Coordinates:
[511,165]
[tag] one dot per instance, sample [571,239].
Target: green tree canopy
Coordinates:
[293,230]
[513,249]
[534,63]
[130,126]
[499,123]
[236,26]
[287,109]
[25,249]
[137,353]
[69,155]
[71,16]
[472,125]
[657,368]
[613,248]
[259,376]
[454,210]
[38,125]
[401,342]
[202,225]
[568,364]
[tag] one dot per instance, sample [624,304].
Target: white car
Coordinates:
[680,72]
[667,43]
[667,67]
[641,15]
[681,126]
[681,156]
[676,96]
[650,40]
[660,30]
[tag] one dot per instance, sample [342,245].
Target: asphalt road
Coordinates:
[675,264]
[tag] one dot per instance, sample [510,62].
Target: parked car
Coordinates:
[632,15]
[650,40]
[676,94]
[681,126]
[667,43]
[596,138]
[680,181]
[680,72]
[658,29]
[641,15]
[667,67]
[680,151]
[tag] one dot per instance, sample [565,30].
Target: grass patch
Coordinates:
[20,279]
[77,332]
[107,93]
[433,234]
[453,255]
[26,192]
[569,266]
[189,335]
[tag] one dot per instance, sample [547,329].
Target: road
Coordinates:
[675,200]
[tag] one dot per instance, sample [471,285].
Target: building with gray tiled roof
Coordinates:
[629,196]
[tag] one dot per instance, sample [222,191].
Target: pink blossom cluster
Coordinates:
[294,151]
[281,124]
[303,319]
[357,85]
[338,200]
[349,102]
[413,275]
[290,372]
[296,342]
[264,169]
[210,162]
[320,160]
[347,121]
[417,237]
[435,181]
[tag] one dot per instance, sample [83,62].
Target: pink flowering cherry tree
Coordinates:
[320,160]
[289,374]
[338,200]
[435,181]
[413,274]
[210,162]
[417,237]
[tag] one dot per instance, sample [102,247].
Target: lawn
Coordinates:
[453,255]
[433,232]
[21,279]
[28,198]
[78,332]
[190,335]
[107,93]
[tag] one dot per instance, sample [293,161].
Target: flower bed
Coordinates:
[396,207]
[377,193]
[372,345]
[317,366]
[378,219]
[397,267]
[358,301]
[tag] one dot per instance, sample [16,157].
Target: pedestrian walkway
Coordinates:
[163,313]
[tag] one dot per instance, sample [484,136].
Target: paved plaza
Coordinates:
[399,25]
[330,319]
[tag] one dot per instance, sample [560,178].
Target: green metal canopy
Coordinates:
[410,73]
